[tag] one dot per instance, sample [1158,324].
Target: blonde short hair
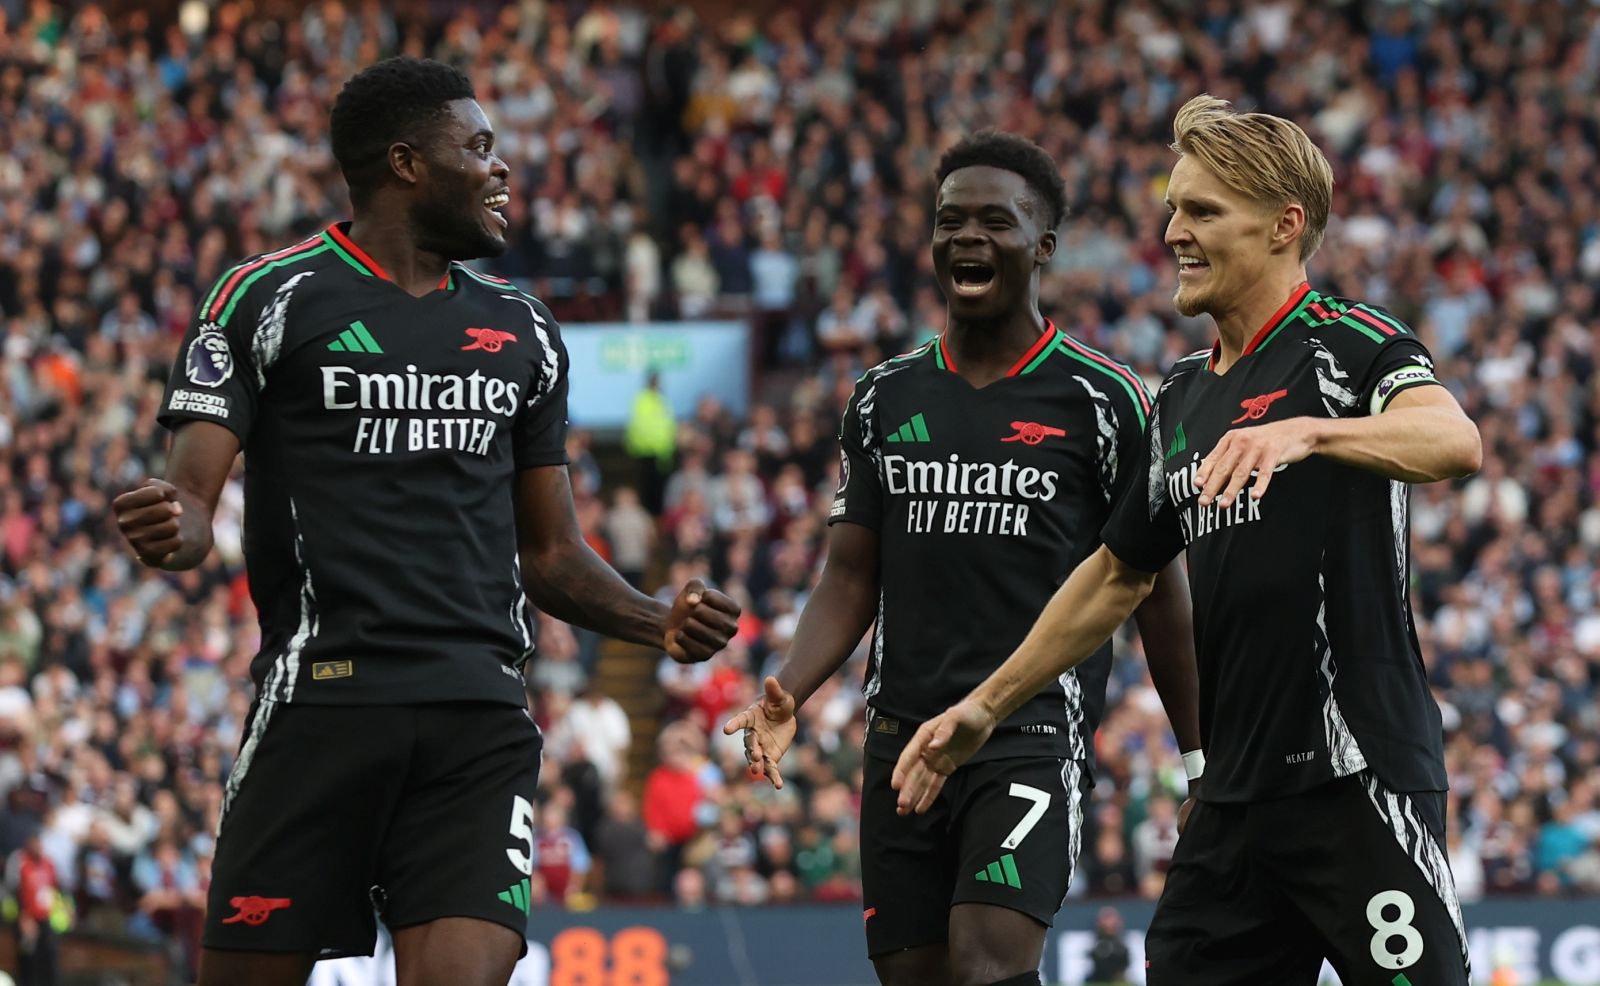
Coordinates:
[1264,157]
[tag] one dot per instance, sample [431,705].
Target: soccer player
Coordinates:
[1279,459]
[403,421]
[977,472]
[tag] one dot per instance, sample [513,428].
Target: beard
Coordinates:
[1189,302]
[444,227]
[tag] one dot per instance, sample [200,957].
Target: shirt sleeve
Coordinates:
[860,496]
[1143,530]
[1399,367]
[540,436]
[1133,415]
[1376,357]
[215,376]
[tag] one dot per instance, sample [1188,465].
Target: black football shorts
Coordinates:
[333,813]
[1349,871]
[1003,832]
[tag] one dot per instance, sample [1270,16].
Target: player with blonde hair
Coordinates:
[1320,825]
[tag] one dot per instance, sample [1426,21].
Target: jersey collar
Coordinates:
[338,237]
[1278,318]
[1047,338]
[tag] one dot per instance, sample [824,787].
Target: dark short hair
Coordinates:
[397,99]
[1018,155]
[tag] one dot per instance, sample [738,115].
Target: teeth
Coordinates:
[496,201]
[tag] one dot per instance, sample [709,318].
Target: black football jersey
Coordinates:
[382,434]
[984,500]
[1309,663]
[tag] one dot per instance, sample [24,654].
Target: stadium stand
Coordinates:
[775,168]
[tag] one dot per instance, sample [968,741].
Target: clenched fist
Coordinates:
[701,623]
[149,518]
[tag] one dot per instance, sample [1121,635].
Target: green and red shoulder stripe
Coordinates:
[1376,324]
[231,286]
[1123,374]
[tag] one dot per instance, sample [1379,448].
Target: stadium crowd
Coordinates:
[778,169]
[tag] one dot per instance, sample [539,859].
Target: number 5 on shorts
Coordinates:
[522,831]
[1384,929]
[1041,803]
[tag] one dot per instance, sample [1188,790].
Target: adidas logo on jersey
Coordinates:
[519,895]
[915,430]
[1002,871]
[1180,442]
[355,339]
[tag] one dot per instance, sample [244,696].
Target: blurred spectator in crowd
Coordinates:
[35,892]
[1153,842]
[675,796]
[631,531]
[560,857]
[1109,958]
[623,851]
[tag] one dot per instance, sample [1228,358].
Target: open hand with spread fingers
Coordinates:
[769,727]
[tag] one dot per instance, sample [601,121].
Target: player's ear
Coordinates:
[405,162]
[1045,248]
[1290,227]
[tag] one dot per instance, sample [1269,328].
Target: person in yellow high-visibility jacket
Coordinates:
[651,440]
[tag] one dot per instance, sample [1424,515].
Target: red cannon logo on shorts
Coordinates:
[1032,432]
[256,910]
[488,340]
[1255,408]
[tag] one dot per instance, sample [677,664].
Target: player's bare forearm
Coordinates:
[839,611]
[202,456]
[1422,437]
[563,576]
[1166,625]
[194,525]
[1098,596]
[167,521]
[575,585]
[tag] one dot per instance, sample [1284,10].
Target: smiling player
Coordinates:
[403,420]
[978,471]
[1278,459]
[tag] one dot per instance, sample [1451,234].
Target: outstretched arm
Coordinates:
[564,577]
[1098,596]
[1421,437]
[837,614]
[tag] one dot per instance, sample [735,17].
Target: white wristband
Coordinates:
[1194,764]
